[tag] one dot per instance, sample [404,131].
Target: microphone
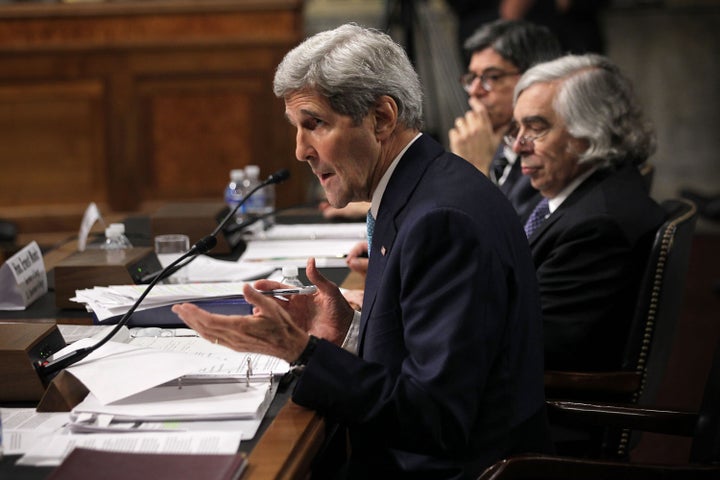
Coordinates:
[47,370]
[275,178]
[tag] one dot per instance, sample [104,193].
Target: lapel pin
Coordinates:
[383,250]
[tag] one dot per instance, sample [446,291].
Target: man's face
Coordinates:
[551,159]
[499,100]
[342,155]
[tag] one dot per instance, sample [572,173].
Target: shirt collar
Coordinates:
[382,185]
[555,202]
[509,155]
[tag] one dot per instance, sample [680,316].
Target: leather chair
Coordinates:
[702,426]
[650,336]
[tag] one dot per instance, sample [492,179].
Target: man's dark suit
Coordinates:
[449,374]
[590,255]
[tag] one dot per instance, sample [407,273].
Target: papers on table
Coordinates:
[135,399]
[315,231]
[211,401]
[119,370]
[208,269]
[108,302]
[280,253]
[292,245]
[54,449]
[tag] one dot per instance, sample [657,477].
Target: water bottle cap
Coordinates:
[237,174]
[252,171]
[289,271]
[120,227]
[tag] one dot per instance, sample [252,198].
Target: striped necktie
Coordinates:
[537,217]
[370,229]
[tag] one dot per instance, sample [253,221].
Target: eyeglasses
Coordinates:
[527,140]
[487,79]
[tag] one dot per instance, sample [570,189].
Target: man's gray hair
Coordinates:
[598,104]
[352,67]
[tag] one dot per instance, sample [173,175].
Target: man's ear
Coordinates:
[386,116]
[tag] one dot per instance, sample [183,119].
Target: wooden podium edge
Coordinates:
[286,450]
[62,394]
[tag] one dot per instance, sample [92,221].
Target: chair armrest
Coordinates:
[615,383]
[542,467]
[671,422]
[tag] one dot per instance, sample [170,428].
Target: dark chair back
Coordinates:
[660,298]
[650,336]
[703,426]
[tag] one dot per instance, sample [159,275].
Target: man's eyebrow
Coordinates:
[305,113]
[534,119]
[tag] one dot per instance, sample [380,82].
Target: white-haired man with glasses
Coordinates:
[580,134]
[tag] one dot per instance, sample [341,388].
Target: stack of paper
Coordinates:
[286,245]
[108,302]
[312,231]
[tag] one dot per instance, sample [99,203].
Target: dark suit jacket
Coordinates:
[450,363]
[590,255]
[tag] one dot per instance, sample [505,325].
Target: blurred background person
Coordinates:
[500,52]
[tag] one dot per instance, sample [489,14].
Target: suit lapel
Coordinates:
[591,182]
[403,182]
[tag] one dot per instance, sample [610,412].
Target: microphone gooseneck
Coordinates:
[48,370]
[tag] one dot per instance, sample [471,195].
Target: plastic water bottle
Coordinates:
[290,277]
[115,238]
[116,243]
[261,203]
[234,192]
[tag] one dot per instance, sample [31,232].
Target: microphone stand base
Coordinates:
[22,345]
[63,394]
[101,267]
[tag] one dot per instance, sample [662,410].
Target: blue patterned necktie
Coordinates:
[370,229]
[537,217]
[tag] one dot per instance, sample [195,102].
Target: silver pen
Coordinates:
[309,290]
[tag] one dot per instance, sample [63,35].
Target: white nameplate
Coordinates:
[22,278]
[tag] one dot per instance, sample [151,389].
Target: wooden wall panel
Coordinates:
[51,143]
[197,137]
[127,100]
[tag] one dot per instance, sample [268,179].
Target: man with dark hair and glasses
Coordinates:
[499,53]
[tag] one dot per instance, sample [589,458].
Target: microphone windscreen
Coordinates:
[206,244]
[279,176]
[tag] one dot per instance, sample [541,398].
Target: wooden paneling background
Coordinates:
[129,102]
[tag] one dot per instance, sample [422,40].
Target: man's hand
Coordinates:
[277,326]
[357,258]
[473,138]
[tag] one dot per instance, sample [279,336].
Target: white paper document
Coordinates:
[212,401]
[24,428]
[208,269]
[280,253]
[54,449]
[114,300]
[118,370]
[312,231]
